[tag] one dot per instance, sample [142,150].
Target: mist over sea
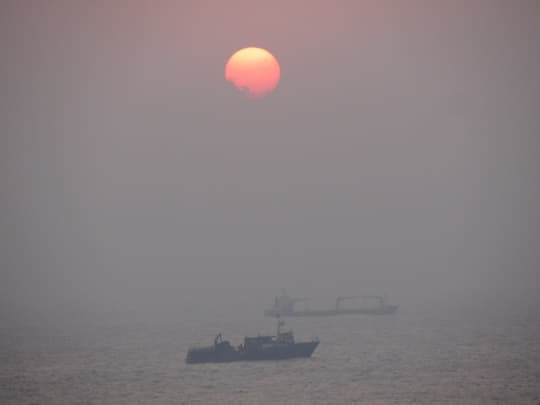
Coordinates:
[483,354]
[147,205]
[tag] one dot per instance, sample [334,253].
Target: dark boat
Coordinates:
[284,305]
[279,347]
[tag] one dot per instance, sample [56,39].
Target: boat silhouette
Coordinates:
[279,347]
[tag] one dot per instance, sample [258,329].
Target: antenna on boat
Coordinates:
[280,323]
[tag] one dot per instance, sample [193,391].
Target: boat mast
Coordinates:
[280,323]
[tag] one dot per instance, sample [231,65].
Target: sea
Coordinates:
[420,355]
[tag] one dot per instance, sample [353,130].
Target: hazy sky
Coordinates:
[400,152]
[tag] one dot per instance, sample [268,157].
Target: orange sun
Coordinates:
[255,71]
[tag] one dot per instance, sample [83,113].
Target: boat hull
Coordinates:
[277,352]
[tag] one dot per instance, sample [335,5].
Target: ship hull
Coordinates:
[387,310]
[278,352]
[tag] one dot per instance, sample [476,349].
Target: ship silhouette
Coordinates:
[279,347]
[284,305]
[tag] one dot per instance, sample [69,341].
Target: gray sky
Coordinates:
[398,154]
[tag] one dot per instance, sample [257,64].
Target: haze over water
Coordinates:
[145,204]
[429,356]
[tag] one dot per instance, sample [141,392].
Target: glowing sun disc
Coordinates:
[254,71]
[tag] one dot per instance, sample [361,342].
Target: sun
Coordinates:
[254,71]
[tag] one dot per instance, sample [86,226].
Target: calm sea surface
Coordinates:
[430,358]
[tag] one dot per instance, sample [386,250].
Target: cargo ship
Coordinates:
[284,305]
